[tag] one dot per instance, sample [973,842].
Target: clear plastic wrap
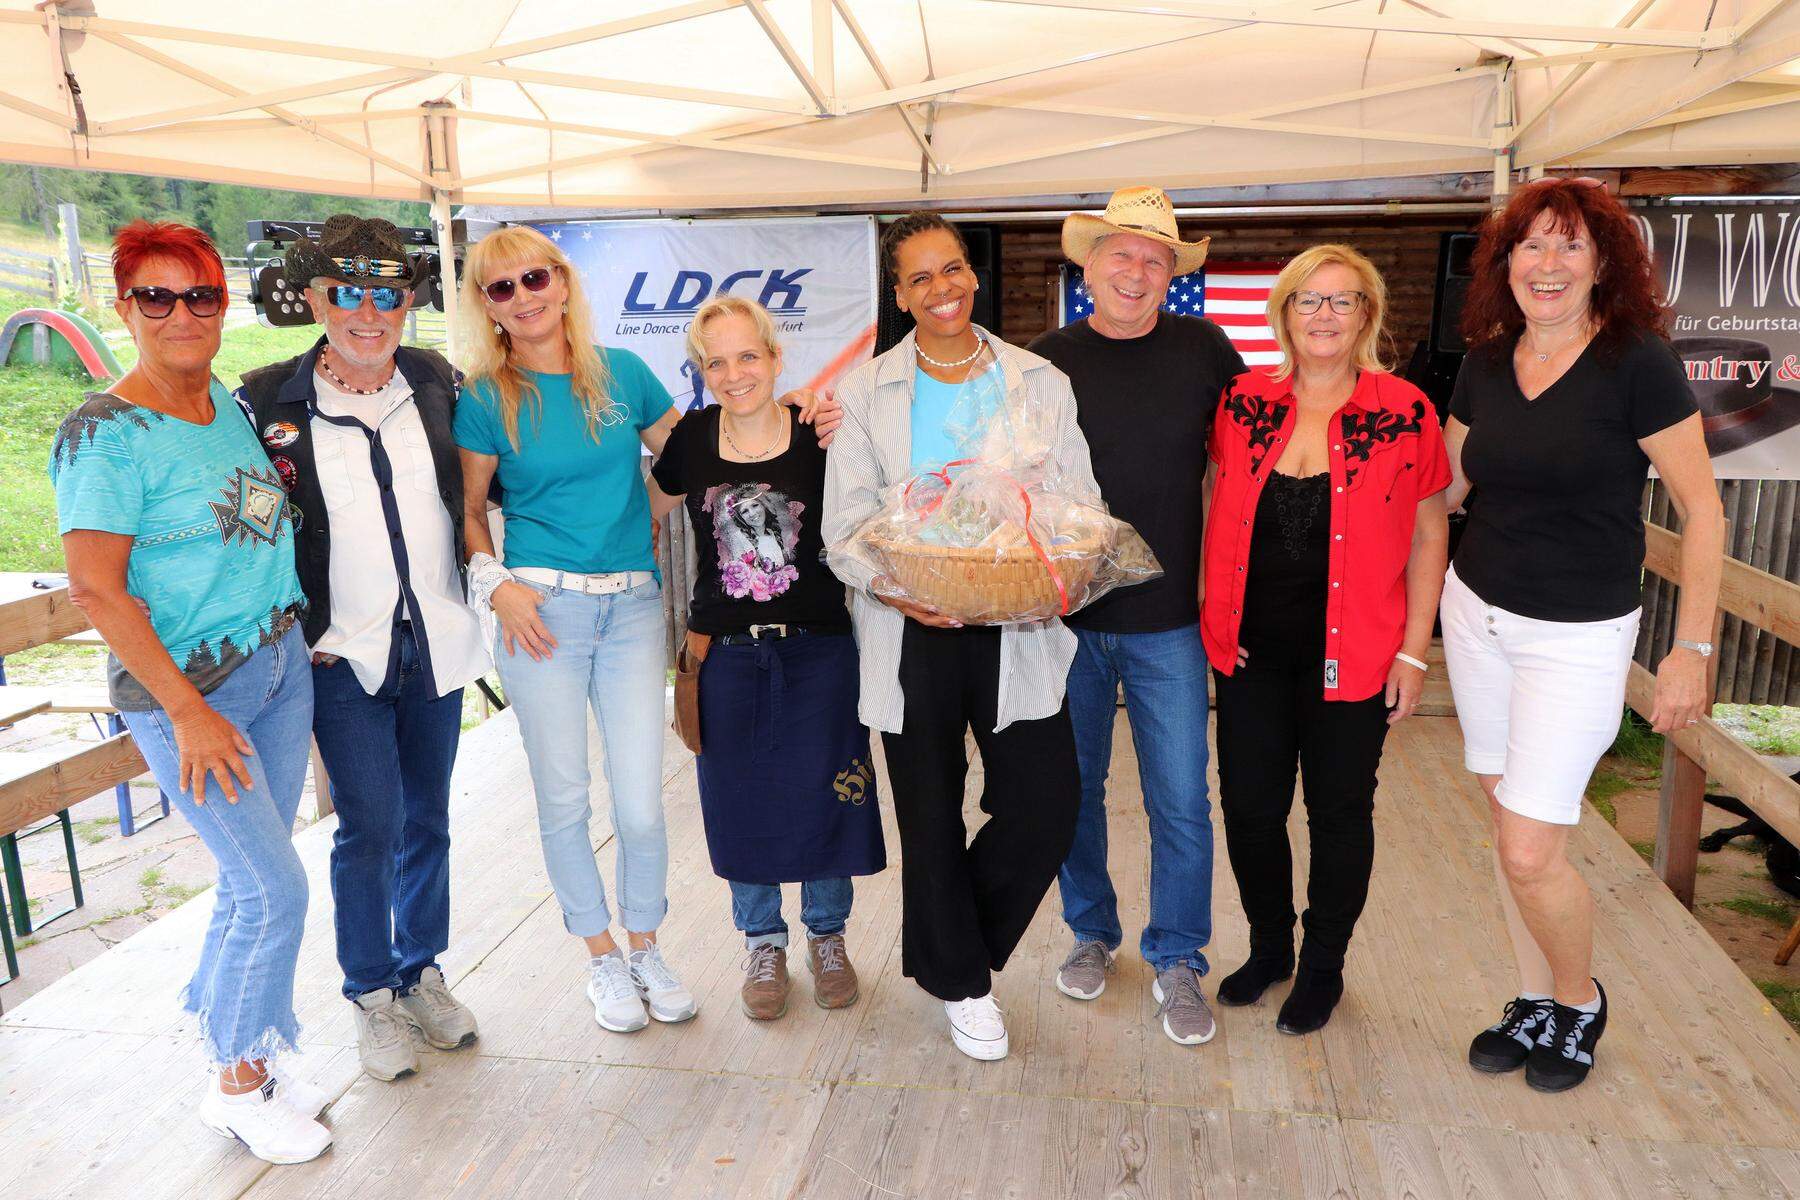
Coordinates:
[996,535]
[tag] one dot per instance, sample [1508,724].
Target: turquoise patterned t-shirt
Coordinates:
[212,552]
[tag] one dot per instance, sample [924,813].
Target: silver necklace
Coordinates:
[980,345]
[337,380]
[1566,342]
[725,429]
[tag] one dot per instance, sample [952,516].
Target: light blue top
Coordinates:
[212,553]
[571,503]
[943,414]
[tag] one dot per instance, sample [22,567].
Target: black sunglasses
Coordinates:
[534,280]
[158,302]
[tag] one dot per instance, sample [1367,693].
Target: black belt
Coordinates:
[766,633]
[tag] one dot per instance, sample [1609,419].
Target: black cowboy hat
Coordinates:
[359,250]
[1737,408]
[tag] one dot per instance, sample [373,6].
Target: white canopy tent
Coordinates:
[636,104]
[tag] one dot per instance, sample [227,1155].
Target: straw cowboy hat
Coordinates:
[1145,211]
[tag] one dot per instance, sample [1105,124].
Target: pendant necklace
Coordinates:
[725,428]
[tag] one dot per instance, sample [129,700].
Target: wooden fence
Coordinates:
[1755,664]
[28,271]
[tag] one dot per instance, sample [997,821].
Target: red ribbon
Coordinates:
[1030,537]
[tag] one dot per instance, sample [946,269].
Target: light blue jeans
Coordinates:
[609,654]
[1165,698]
[756,910]
[243,989]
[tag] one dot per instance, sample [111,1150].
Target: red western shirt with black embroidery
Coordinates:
[1387,454]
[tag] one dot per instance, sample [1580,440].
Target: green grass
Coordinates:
[1777,911]
[92,833]
[33,401]
[181,893]
[1601,789]
[1637,743]
[150,878]
[1785,997]
[118,914]
[1646,850]
[1766,728]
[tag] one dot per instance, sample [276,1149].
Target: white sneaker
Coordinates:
[298,1093]
[978,1027]
[661,990]
[273,1131]
[384,1036]
[444,1020]
[617,1006]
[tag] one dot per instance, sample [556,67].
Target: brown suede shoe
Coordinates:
[834,979]
[765,993]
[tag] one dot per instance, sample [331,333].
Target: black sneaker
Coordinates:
[1504,1047]
[1564,1053]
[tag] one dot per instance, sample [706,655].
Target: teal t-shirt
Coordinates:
[939,409]
[572,503]
[212,552]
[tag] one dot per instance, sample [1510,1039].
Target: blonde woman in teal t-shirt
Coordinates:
[560,423]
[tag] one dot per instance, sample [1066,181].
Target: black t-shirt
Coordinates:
[1145,405]
[1555,530]
[756,530]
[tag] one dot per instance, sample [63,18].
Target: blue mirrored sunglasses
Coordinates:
[350,296]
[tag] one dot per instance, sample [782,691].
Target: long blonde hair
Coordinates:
[489,351]
[1366,354]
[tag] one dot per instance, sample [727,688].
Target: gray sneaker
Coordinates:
[617,1006]
[384,1036]
[1083,974]
[445,1021]
[1185,1016]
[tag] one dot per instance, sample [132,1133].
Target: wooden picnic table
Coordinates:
[31,615]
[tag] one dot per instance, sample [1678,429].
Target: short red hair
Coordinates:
[1626,301]
[141,241]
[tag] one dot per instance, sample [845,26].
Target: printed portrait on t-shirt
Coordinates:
[756,530]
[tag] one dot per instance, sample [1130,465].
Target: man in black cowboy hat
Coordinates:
[1146,384]
[358,428]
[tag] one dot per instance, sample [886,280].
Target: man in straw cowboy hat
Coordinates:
[1146,383]
[359,429]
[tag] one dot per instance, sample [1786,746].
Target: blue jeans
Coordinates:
[1165,698]
[609,654]
[389,757]
[243,989]
[756,910]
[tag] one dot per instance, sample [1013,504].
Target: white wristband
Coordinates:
[485,574]
[1410,661]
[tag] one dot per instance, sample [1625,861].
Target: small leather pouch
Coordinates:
[687,688]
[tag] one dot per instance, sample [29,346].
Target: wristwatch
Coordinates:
[1703,649]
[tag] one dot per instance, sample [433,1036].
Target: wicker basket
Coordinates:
[977,585]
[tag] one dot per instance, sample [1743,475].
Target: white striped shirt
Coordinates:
[873,449]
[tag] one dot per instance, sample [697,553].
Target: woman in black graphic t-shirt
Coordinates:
[1570,393]
[787,784]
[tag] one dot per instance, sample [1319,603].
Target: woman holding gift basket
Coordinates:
[961,508]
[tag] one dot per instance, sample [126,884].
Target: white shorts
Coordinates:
[1539,701]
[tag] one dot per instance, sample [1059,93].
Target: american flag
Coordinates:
[1234,295]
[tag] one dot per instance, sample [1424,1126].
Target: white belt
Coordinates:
[604,584]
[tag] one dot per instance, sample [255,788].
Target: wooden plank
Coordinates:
[33,616]
[1765,600]
[63,698]
[1778,495]
[1740,770]
[1680,804]
[17,708]
[36,785]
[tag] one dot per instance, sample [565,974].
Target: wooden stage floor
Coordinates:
[1697,1092]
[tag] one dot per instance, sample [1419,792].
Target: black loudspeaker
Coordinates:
[984,255]
[1455,252]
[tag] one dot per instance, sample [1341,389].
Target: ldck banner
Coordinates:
[1731,272]
[645,279]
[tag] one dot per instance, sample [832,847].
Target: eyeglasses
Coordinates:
[158,302]
[534,280]
[350,296]
[1342,303]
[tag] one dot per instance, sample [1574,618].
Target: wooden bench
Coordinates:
[91,699]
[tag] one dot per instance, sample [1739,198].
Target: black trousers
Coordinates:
[1272,715]
[965,904]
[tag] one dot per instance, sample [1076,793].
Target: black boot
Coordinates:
[1264,968]
[1308,1007]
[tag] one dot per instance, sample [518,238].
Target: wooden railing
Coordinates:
[1706,749]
